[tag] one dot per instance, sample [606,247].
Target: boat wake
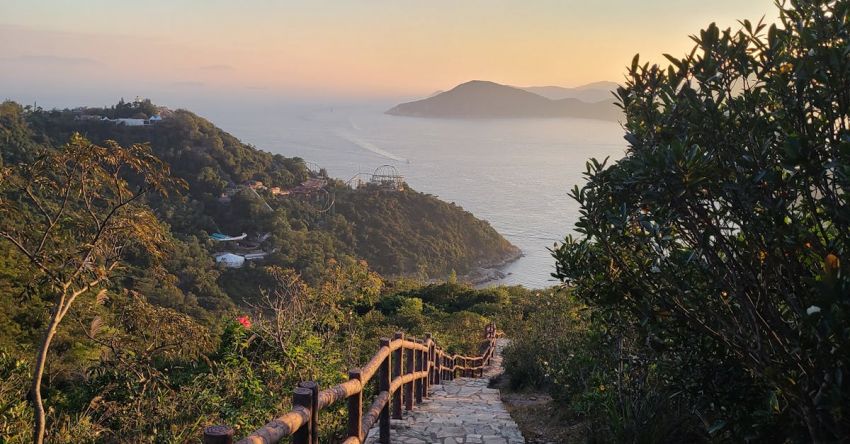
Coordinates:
[368,146]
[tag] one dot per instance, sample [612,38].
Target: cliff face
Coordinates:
[482,99]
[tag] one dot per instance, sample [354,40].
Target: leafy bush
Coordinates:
[566,348]
[128,370]
[718,245]
[15,411]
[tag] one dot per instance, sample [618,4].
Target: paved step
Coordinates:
[460,411]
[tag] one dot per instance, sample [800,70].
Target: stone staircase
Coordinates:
[460,411]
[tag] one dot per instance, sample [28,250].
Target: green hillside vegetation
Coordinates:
[399,234]
[710,277]
[124,369]
[422,227]
[106,247]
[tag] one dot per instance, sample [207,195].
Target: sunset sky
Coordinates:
[54,51]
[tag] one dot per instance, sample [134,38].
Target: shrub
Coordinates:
[594,372]
[721,238]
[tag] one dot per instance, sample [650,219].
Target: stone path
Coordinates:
[460,411]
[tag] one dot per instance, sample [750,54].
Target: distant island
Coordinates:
[591,93]
[484,99]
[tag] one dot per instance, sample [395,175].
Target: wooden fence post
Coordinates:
[426,364]
[384,386]
[396,373]
[428,367]
[454,369]
[355,407]
[432,362]
[438,370]
[314,409]
[218,434]
[443,375]
[419,367]
[303,397]
[409,362]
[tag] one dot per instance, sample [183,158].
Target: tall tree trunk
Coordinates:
[40,425]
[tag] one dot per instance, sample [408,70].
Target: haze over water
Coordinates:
[514,173]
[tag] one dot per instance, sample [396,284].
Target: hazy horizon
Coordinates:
[61,54]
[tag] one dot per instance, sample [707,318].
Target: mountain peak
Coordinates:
[478,83]
[486,99]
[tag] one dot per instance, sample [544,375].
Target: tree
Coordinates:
[452,277]
[71,213]
[722,235]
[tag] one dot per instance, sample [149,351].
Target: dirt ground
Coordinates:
[539,418]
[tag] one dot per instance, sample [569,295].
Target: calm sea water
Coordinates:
[514,173]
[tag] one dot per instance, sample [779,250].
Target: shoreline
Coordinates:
[483,274]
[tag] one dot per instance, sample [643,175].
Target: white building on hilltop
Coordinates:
[230,260]
[130,122]
[137,122]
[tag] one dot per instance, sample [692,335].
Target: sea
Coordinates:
[514,173]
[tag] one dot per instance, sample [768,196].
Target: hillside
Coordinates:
[422,226]
[162,341]
[400,233]
[482,99]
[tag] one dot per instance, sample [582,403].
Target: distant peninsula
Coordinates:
[484,99]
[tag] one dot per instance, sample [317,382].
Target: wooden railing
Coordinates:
[405,368]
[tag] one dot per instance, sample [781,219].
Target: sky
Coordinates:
[91,51]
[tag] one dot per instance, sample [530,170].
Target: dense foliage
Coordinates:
[165,342]
[413,233]
[407,233]
[713,256]
[126,370]
[70,215]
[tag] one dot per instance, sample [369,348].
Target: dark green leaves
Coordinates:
[730,211]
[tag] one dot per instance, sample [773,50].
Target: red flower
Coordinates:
[244,321]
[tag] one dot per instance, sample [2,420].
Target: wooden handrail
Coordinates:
[406,370]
